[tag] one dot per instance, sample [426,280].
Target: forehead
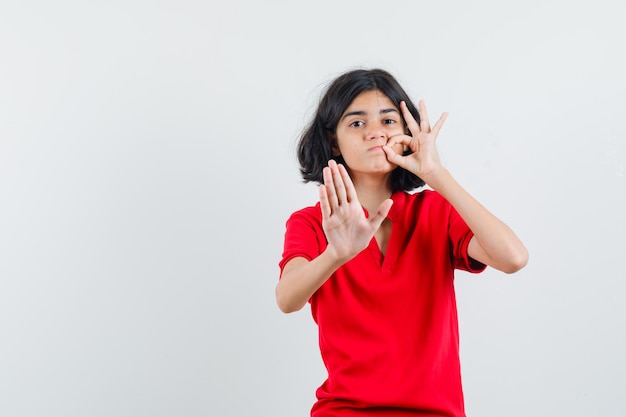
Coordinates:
[372,99]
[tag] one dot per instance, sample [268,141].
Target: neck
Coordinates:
[372,191]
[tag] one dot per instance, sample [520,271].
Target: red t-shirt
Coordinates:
[388,329]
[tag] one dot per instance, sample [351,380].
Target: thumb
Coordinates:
[393,156]
[377,219]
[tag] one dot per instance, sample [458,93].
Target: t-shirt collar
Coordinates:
[398,205]
[396,210]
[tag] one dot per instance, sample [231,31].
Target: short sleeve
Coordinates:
[302,236]
[460,236]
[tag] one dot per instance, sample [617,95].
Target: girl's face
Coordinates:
[366,125]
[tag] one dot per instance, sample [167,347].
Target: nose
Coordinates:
[376,131]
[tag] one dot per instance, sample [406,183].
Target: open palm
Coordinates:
[347,229]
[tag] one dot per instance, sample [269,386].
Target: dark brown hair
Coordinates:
[315,147]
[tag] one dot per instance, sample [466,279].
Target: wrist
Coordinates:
[335,258]
[437,178]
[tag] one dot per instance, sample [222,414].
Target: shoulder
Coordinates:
[423,199]
[310,214]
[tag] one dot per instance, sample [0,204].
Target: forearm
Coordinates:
[301,278]
[495,243]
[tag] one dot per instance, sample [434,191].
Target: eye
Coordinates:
[358,123]
[389,121]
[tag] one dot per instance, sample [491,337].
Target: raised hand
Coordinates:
[424,159]
[347,229]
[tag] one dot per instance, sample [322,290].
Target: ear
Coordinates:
[333,145]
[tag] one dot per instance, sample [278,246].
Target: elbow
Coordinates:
[284,304]
[285,308]
[517,261]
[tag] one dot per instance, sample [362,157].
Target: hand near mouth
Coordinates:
[423,160]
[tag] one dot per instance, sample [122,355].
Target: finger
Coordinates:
[349,186]
[324,203]
[399,144]
[330,188]
[439,124]
[424,124]
[340,188]
[404,140]
[393,156]
[377,219]
[410,121]
[394,148]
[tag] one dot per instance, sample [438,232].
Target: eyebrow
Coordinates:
[363,113]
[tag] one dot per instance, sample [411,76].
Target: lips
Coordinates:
[376,148]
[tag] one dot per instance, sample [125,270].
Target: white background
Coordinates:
[147,167]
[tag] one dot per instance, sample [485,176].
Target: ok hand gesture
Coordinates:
[424,159]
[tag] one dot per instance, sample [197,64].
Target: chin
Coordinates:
[384,168]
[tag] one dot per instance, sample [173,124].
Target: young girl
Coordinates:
[377,262]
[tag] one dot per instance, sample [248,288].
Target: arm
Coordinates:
[494,243]
[301,278]
[347,231]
